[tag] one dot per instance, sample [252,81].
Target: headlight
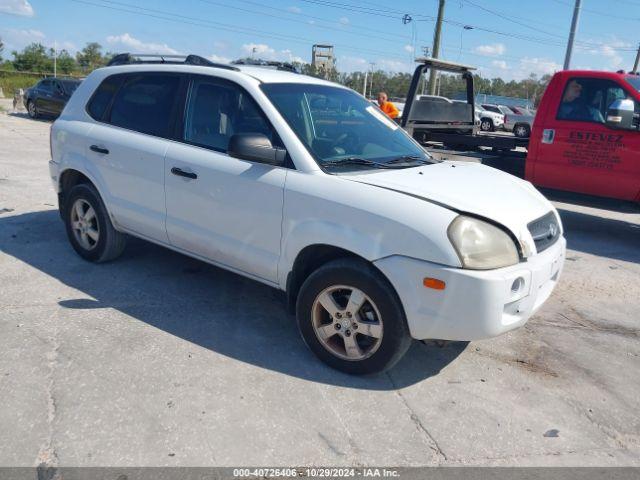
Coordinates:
[480,245]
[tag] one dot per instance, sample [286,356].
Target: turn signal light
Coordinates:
[433,283]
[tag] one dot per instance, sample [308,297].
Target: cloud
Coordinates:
[258,49]
[17,7]
[130,43]
[344,20]
[500,64]
[608,50]
[408,48]
[390,65]
[347,63]
[15,39]
[294,10]
[219,59]
[494,49]
[265,52]
[358,64]
[539,66]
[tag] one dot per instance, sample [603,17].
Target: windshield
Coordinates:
[339,126]
[69,85]
[635,81]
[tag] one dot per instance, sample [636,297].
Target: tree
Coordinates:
[66,63]
[33,58]
[90,57]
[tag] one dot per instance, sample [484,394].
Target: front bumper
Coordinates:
[475,304]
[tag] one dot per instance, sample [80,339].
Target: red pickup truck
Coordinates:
[586,135]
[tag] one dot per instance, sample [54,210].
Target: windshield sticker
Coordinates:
[382,117]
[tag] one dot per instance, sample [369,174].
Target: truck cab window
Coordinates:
[587,99]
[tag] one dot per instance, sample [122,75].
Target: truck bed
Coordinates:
[461,141]
[512,162]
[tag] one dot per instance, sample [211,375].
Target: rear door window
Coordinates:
[146,103]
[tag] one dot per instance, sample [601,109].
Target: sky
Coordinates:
[509,39]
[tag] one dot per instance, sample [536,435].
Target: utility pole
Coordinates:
[635,64]
[364,85]
[436,47]
[373,64]
[425,51]
[55,58]
[572,34]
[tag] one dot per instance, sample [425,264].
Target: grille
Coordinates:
[545,231]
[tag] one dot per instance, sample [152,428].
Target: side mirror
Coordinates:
[255,147]
[620,114]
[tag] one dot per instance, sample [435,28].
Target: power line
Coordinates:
[557,41]
[177,18]
[280,10]
[601,13]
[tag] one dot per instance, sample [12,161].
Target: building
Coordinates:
[322,58]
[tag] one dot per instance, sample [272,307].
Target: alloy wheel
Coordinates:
[347,322]
[84,224]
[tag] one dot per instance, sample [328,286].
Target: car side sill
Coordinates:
[202,259]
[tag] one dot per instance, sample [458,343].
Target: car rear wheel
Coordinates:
[351,318]
[32,110]
[486,125]
[522,131]
[89,227]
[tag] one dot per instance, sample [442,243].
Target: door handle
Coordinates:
[181,173]
[97,149]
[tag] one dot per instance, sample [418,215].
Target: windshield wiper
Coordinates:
[356,161]
[408,159]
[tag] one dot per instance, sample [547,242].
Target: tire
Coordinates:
[32,109]
[486,125]
[522,130]
[105,243]
[380,315]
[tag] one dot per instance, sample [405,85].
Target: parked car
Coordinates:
[49,96]
[520,110]
[489,120]
[303,185]
[502,109]
[519,124]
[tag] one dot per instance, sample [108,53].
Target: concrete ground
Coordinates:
[158,359]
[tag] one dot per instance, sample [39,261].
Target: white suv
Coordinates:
[305,186]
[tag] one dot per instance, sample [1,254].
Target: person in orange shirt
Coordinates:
[386,106]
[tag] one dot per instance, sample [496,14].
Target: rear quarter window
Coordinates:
[102,97]
[144,103]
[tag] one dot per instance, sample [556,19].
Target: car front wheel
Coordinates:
[351,318]
[89,227]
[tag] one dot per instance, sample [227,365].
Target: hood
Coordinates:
[468,187]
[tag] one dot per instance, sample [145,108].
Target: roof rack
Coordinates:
[289,67]
[137,58]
